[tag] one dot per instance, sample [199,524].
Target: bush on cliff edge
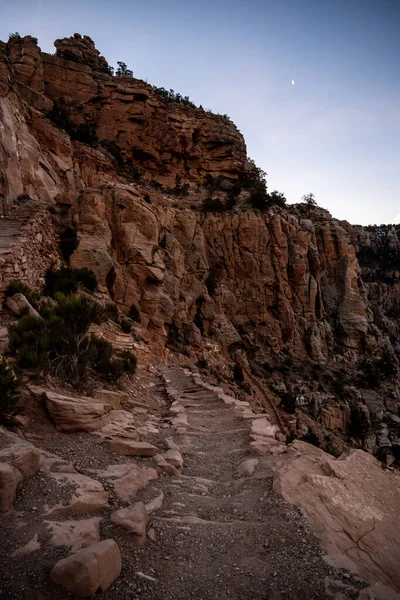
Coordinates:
[58,342]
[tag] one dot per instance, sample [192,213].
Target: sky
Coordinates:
[335,133]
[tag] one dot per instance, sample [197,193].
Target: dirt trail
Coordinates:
[219,534]
[226,535]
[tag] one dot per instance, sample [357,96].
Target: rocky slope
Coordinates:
[280,292]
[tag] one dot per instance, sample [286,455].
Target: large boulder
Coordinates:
[71,413]
[93,568]
[352,502]
[18,304]
[10,479]
[18,459]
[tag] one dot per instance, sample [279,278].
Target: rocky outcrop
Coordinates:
[352,503]
[81,49]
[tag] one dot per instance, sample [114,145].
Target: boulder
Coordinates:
[10,479]
[19,453]
[89,570]
[132,447]
[133,519]
[18,304]
[71,413]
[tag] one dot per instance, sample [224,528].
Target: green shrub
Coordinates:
[123,70]
[67,280]
[111,312]
[259,199]
[68,242]
[238,373]
[126,326]
[134,314]
[59,342]
[9,391]
[276,198]
[18,287]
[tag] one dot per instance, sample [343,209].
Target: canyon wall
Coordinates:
[280,292]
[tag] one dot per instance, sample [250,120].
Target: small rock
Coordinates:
[90,569]
[133,519]
[174,458]
[132,447]
[247,466]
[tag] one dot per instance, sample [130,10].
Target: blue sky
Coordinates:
[335,133]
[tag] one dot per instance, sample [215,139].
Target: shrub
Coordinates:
[238,373]
[180,189]
[59,343]
[68,242]
[85,133]
[147,198]
[309,199]
[12,36]
[258,199]
[67,280]
[18,287]
[209,181]
[9,391]
[111,312]
[202,363]
[199,322]
[211,204]
[126,326]
[123,70]
[276,198]
[212,280]
[311,438]
[156,184]
[134,314]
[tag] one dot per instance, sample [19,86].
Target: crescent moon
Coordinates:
[293,83]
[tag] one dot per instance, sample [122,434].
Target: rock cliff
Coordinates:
[300,301]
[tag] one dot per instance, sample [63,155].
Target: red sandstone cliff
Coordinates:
[285,285]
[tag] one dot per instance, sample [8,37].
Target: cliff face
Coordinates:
[281,292]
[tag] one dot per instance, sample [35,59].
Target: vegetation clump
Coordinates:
[134,313]
[238,373]
[122,70]
[68,242]
[9,392]
[58,342]
[67,280]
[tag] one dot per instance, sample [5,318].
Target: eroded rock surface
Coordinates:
[352,502]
